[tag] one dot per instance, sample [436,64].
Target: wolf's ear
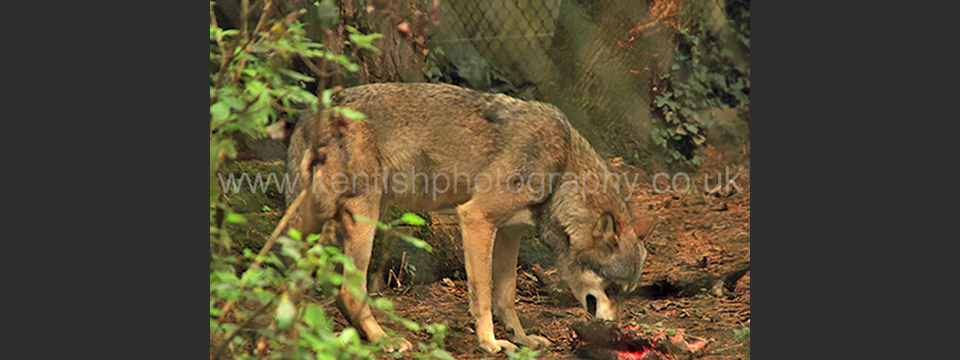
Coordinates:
[606,229]
[643,226]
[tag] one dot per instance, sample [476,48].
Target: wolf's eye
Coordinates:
[612,290]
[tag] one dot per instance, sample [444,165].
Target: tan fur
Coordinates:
[443,129]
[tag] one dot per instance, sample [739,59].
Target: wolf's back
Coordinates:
[430,128]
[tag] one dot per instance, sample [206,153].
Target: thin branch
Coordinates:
[313,67]
[284,108]
[225,57]
[246,44]
[244,15]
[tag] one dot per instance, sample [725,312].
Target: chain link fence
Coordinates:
[599,61]
[511,36]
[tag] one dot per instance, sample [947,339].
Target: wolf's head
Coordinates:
[606,265]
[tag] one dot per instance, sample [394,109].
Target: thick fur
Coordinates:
[444,129]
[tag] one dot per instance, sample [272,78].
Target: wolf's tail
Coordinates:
[313,155]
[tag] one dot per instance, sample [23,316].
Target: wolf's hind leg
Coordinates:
[505,250]
[358,245]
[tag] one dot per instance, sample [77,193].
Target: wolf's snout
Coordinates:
[592,305]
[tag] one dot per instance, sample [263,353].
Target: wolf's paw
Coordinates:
[532,341]
[400,345]
[496,346]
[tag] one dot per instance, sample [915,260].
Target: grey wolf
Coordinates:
[505,163]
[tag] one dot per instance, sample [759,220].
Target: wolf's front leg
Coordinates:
[505,251]
[478,233]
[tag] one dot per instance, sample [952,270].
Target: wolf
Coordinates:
[501,162]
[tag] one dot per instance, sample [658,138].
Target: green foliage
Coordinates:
[257,304]
[704,73]
[362,41]
[251,80]
[252,86]
[266,294]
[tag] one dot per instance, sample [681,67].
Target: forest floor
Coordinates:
[701,239]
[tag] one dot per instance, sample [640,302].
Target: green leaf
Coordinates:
[313,316]
[295,75]
[220,111]
[409,324]
[327,98]
[352,114]
[342,59]
[412,219]
[291,252]
[416,242]
[235,218]
[441,354]
[233,102]
[286,313]
[252,276]
[381,304]
[294,233]
[349,336]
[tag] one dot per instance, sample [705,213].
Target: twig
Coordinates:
[313,67]
[226,57]
[263,15]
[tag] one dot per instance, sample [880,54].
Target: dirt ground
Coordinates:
[701,238]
